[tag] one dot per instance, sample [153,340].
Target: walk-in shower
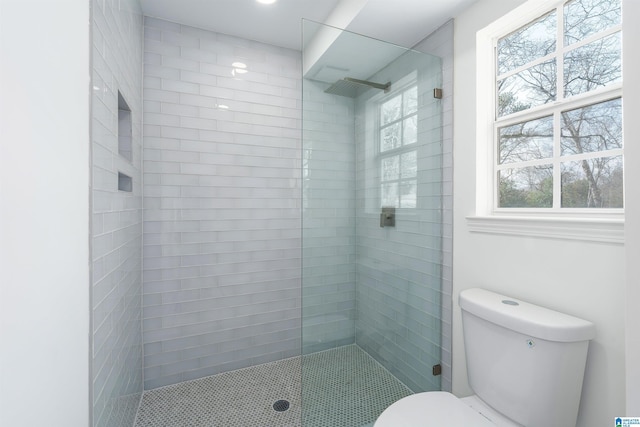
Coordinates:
[371,225]
[276,233]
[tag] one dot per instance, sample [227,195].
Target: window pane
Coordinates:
[390,137]
[408,194]
[390,110]
[530,187]
[410,134]
[593,183]
[390,168]
[410,101]
[409,168]
[524,141]
[390,194]
[531,42]
[583,18]
[529,88]
[597,127]
[592,66]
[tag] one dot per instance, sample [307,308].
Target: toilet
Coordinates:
[525,364]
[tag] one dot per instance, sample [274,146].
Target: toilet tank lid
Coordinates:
[525,318]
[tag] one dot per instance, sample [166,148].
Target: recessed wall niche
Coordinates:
[125,183]
[124,128]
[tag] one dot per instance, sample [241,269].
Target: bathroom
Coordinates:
[45,320]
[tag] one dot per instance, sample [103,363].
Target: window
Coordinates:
[397,136]
[550,143]
[558,113]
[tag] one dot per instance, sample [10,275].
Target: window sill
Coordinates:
[584,229]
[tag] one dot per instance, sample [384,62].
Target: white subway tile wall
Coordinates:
[116,243]
[222,203]
[440,43]
[399,268]
[328,226]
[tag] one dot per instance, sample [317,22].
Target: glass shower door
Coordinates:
[371,225]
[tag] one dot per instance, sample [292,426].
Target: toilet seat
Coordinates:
[433,408]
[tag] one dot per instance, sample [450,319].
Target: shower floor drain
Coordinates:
[281,405]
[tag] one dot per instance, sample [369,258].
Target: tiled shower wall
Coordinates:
[328,220]
[399,268]
[116,242]
[413,260]
[440,43]
[222,203]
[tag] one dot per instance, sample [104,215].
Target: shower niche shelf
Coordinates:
[125,183]
[124,128]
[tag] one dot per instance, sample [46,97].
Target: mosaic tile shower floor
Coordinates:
[343,387]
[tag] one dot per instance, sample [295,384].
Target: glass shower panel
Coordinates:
[371,294]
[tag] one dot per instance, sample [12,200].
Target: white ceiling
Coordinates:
[403,22]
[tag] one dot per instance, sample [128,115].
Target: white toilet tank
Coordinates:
[525,361]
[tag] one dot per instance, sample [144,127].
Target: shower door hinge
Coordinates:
[437,370]
[437,93]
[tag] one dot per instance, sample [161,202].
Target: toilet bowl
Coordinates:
[432,408]
[524,362]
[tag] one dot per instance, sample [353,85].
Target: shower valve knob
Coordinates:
[388,217]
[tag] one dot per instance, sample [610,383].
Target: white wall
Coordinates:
[44,215]
[632,205]
[579,278]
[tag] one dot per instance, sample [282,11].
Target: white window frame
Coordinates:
[603,225]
